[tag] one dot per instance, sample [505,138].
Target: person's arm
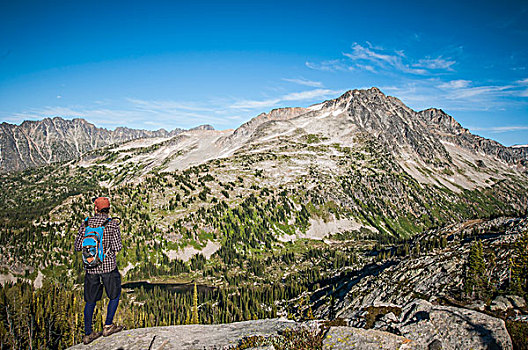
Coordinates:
[80,235]
[115,237]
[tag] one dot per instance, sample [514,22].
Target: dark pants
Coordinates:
[93,292]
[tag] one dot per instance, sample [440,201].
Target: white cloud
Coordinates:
[167,105]
[250,104]
[366,58]
[464,93]
[435,63]
[376,59]
[501,129]
[306,95]
[522,82]
[294,96]
[455,84]
[304,82]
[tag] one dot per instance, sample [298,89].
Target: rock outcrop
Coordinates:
[420,326]
[448,327]
[449,130]
[433,275]
[191,337]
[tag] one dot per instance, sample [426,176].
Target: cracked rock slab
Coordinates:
[189,337]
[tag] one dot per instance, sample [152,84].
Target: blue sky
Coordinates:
[184,63]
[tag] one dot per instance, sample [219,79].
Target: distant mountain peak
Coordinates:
[54,139]
[203,127]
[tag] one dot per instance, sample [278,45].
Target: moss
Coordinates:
[519,334]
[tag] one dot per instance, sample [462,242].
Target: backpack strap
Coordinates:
[106,222]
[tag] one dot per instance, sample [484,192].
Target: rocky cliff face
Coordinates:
[436,275]
[449,130]
[35,143]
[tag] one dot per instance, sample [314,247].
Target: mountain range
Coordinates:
[425,136]
[356,209]
[36,143]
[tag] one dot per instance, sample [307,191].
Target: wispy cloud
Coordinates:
[435,63]
[455,84]
[294,96]
[329,65]
[156,105]
[137,114]
[456,95]
[467,92]
[501,129]
[376,59]
[143,113]
[304,82]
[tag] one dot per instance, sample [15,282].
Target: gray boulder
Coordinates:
[451,327]
[517,301]
[501,304]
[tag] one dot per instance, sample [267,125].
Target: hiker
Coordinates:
[101,268]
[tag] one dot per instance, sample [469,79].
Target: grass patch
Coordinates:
[376,313]
[289,339]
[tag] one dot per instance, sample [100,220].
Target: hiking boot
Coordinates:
[87,339]
[111,329]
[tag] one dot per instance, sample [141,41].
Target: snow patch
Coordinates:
[6,278]
[37,283]
[188,252]
[316,107]
[127,268]
[319,229]
[337,112]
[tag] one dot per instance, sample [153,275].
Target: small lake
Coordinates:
[175,287]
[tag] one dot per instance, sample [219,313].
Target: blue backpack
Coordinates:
[92,244]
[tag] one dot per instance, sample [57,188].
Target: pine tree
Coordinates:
[474,282]
[195,306]
[519,266]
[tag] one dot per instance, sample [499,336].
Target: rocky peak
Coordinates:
[437,118]
[242,133]
[203,127]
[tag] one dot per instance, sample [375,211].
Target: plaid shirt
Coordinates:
[111,242]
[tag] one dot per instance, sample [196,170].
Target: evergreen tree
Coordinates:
[519,266]
[474,281]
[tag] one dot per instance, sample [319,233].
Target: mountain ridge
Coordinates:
[36,143]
